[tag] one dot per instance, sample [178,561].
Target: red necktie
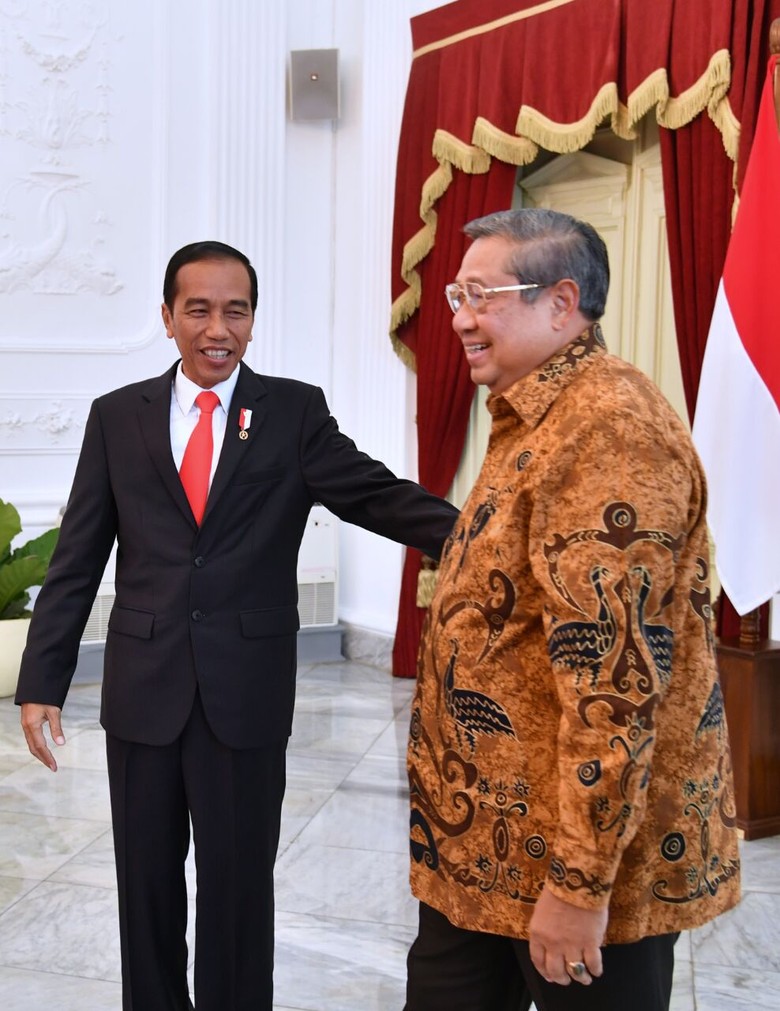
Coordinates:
[195,468]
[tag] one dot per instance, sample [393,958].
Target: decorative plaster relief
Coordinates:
[58,62]
[45,111]
[49,267]
[79,183]
[36,425]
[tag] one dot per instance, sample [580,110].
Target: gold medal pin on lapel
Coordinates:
[244,421]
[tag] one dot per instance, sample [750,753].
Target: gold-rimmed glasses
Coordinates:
[476,296]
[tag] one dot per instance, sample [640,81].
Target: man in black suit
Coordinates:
[199,677]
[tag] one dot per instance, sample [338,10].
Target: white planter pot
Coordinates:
[13,636]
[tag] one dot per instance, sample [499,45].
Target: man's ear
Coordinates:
[565,302]
[167,319]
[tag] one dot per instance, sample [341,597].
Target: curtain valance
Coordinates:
[491,82]
[501,78]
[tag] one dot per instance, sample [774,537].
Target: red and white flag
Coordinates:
[737,423]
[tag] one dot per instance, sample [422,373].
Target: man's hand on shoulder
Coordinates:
[34,715]
[563,936]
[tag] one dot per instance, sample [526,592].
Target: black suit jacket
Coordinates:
[213,606]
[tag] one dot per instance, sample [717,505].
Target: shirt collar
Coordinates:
[531,396]
[185,391]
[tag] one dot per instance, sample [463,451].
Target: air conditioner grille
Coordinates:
[317,604]
[97,623]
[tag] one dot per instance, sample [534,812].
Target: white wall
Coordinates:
[127,130]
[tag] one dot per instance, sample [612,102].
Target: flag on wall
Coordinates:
[737,422]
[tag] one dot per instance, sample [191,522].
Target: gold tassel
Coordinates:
[426,581]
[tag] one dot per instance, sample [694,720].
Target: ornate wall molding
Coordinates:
[80,129]
[42,424]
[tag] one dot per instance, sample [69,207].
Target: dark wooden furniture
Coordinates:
[750,677]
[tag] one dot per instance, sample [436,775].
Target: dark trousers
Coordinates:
[451,969]
[233,799]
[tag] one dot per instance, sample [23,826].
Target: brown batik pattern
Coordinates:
[567,670]
[637,647]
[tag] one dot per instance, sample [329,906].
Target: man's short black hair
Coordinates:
[207,250]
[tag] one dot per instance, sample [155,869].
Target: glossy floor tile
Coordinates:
[345,917]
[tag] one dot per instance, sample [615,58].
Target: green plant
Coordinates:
[23,567]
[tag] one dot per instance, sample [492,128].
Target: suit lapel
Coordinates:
[154,415]
[249,393]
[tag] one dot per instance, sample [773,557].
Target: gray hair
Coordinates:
[551,246]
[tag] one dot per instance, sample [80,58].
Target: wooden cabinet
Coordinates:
[751,689]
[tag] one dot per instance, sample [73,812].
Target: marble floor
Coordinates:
[344,913]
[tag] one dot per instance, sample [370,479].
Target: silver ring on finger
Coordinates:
[576,969]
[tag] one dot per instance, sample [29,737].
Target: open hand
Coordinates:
[34,715]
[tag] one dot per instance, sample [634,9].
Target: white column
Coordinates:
[375,392]
[370,383]
[247,130]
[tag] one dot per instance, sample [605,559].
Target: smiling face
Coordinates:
[511,337]
[210,319]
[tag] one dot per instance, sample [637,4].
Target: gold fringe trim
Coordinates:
[504,146]
[415,250]
[418,247]
[406,304]
[653,91]
[407,357]
[434,187]
[729,127]
[447,148]
[563,138]
[709,92]
[490,26]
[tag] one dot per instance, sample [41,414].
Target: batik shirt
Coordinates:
[568,728]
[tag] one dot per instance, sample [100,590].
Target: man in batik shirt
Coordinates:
[571,793]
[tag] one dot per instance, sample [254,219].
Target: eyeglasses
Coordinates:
[475,296]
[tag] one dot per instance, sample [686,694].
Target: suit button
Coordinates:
[198,615]
[199,562]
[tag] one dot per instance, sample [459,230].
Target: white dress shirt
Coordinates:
[185,414]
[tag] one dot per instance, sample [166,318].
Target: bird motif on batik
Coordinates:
[474,712]
[712,717]
[580,646]
[659,638]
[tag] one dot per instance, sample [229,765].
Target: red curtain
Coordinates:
[494,80]
[444,387]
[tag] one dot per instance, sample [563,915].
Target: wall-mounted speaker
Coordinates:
[314,84]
